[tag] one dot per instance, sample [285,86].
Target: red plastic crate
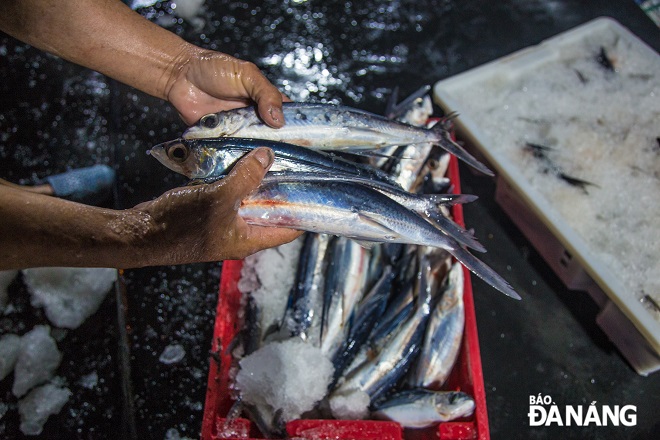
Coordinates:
[466,376]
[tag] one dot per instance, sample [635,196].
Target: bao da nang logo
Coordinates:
[544,412]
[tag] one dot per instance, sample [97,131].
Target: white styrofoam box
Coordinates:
[564,249]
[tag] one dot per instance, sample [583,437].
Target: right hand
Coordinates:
[201,223]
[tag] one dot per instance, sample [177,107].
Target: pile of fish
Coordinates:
[315,190]
[376,289]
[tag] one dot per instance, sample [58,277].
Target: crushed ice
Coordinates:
[172,354]
[291,376]
[68,295]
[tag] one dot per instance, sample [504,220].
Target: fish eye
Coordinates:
[178,152]
[209,121]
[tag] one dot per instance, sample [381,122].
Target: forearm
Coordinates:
[104,35]
[38,230]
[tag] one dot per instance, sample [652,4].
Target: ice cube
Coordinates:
[38,359]
[39,404]
[291,376]
[9,348]
[69,295]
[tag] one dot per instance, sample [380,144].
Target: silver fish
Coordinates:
[378,375]
[368,313]
[427,205]
[358,212]
[306,295]
[421,408]
[328,127]
[345,284]
[210,159]
[444,334]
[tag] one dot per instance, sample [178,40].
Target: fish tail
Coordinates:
[483,271]
[454,230]
[444,140]
[450,199]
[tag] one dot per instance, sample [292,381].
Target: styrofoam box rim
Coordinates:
[512,65]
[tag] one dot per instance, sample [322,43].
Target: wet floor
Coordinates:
[55,116]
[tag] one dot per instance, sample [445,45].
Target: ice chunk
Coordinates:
[90,380]
[68,295]
[37,360]
[290,376]
[188,9]
[351,406]
[173,434]
[39,404]
[6,277]
[172,354]
[268,276]
[9,348]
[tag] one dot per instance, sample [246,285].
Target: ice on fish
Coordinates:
[350,406]
[68,295]
[37,360]
[267,273]
[172,354]
[39,404]
[10,346]
[289,376]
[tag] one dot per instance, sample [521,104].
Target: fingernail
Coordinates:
[276,114]
[264,156]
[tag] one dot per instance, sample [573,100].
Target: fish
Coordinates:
[345,283]
[420,408]
[444,334]
[307,292]
[210,159]
[358,212]
[368,313]
[426,205]
[328,127]
[376,375]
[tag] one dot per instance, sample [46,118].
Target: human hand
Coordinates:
[205,81]
[201,223]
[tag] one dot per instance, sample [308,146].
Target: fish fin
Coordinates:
[399,109]
[483,271]
[367,244]
[375,223]
[447,143]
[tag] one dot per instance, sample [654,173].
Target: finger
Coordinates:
[269,106]
[266,95]
[264,237]
[246,176]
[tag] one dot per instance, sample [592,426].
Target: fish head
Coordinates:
[185,157]
[216,125]
[454,404]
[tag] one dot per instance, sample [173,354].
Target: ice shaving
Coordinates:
[581,130]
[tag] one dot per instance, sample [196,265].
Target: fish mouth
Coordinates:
[160,152]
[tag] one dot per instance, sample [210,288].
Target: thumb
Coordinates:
[247,174]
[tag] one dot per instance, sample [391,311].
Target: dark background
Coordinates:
[55,116]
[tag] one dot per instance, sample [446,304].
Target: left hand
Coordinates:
[205,81]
